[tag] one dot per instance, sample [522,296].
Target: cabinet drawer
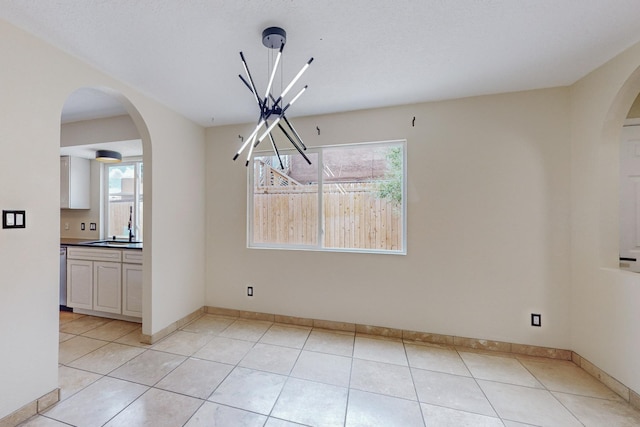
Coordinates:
[91,254]
[132,257]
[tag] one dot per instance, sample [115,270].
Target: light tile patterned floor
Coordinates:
[221,371]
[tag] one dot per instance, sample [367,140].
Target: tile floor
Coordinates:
[221,371]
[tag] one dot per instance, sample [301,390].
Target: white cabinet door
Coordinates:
[75,183]
[107,286]
[132,290]
[80,284]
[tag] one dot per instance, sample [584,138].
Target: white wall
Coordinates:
[35,81]
[488,225]
[605,300]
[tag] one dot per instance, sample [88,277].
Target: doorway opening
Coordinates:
[629,207]
[92,120]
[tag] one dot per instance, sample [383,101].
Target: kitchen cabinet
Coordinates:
[80,284]
[132,283]
[132,290]
[99,281]
[75,183]
[107,286]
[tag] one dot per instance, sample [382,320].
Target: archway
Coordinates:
[609,169]
[629,195]
[117,120]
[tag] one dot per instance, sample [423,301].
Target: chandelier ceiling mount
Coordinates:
[274,37]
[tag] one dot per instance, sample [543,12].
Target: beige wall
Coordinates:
[488,225]
[35,81]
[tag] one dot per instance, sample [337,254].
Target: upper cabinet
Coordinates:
[75,183]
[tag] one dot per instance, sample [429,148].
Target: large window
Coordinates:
[123,203]
[351,198]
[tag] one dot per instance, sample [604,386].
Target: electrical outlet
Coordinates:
[92,226]
[82,226]
[249,291]
[66,225]
[536,320]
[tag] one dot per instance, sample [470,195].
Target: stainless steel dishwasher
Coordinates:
[63,278]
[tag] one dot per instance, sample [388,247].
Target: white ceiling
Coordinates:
[368,53]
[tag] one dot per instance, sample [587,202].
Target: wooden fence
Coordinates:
[354,217]
[119,217]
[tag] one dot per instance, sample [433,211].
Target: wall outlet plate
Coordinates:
[92,226]
[249,291]
[536,320]
[82,226]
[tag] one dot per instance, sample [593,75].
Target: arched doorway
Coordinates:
[630,190]
[609,170]
[95,119]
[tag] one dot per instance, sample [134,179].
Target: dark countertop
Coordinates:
[66,241]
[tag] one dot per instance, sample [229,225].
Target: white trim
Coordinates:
[104,217]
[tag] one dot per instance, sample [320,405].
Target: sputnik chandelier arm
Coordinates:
[271,107]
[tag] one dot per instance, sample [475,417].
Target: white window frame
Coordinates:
[105,204]
[320,236]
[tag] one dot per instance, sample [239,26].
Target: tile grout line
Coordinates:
[413,382]
[479,386]
[349,388]
[275,402]
[550,392]
[153,386]
[236,365]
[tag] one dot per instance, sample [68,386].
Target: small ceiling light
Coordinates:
[271,108]
[108,156]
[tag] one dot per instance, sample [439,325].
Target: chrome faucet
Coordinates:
[131,236]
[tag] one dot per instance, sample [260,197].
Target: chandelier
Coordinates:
[272,110]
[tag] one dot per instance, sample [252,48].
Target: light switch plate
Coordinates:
[13,219]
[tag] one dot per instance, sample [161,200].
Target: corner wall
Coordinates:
[488,225]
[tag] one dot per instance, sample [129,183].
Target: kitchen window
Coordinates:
[351,198]
[123,201]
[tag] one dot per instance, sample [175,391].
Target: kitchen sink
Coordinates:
[114,243]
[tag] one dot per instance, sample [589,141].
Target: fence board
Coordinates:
[353,217]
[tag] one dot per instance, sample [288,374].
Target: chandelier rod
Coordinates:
[273,38]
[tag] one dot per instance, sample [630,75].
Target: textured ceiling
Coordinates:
[368,53]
